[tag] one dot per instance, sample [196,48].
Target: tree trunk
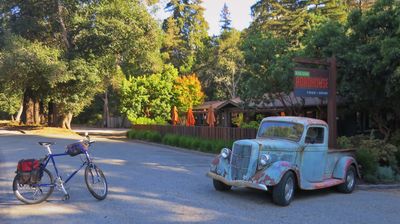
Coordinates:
[106,112]
[69,120]
[382,125]
[36,111]
[28,109]
[21,108]
[64,33]
[66,121]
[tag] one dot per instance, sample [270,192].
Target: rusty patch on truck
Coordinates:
[215,161]
[262,178]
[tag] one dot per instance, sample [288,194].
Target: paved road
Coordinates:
[151,184]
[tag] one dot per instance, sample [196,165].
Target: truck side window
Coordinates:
[315,135]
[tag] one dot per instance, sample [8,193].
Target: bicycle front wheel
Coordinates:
[34,193]
[96,182]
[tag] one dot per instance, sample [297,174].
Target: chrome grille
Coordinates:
[240,161]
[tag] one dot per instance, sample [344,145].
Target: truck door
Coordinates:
[314,154]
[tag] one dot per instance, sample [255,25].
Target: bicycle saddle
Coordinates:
[46,143]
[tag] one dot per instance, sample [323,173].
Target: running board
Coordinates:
[327,183]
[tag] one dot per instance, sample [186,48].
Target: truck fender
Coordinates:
[273,174]
[342,165]
[219,166]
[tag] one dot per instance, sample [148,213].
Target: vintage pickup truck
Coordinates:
[288,153]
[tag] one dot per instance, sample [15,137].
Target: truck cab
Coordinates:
[287,153]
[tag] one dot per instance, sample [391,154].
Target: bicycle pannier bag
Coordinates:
[76,148]
[29,171]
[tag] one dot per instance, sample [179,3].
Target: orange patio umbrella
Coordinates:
[190,118]
[174,116]
[210,117]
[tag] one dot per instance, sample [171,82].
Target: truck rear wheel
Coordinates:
[283,192]
[219,186]
[350,182]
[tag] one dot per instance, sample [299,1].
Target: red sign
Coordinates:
[310,82]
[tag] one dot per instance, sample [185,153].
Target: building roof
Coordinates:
[216,105]
[301,120]
[269,102]
[289,99]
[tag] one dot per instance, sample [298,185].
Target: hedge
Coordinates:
[204,145]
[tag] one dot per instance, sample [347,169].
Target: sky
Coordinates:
[240,13]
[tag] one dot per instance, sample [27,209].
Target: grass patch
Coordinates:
[35,129]
[189,142]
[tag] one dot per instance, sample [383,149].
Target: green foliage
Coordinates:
[238,120]
[385,153]
[378,159]
[386,174]
[171,139]
[395,140]
[185,30]
[230,62]
[268,61]
[123,33]
[292,20]
[10,99]
[369,163]
[225,19]
[205,145]
[367,49]
[152,136]
[148,99]
[344,142]
[251,124]
[372,155]
[31,66]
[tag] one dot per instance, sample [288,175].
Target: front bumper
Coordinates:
[237,183]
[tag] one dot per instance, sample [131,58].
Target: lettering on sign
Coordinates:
[311,82]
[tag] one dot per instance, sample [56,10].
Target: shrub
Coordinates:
[251,124]
[395,140]
[195,144]
[374,155]
[344,142]
[369,163]
[386,174]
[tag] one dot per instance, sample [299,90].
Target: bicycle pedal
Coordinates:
[66,197]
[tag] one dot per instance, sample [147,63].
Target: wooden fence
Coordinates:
[221,133]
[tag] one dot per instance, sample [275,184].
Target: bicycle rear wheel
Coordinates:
[34,193]
[96,182]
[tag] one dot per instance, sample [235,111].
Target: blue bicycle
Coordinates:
[41,189]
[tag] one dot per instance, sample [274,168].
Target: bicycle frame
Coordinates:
[51,157]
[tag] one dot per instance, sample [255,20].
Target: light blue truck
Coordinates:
[288,153]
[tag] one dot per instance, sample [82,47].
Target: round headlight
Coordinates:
[265,159]
[225,152]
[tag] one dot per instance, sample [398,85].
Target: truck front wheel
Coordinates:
[350,181]
[219,186]
[283,192]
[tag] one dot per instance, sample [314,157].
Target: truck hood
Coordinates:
[270,144]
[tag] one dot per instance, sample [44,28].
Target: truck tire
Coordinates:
[350,182]
[283,192]
[219,186]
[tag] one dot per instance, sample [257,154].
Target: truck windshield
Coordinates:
[286,130]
